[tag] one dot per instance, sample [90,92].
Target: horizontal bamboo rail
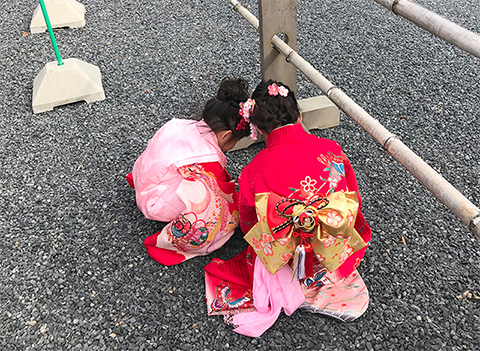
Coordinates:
[437,25]
[467,212]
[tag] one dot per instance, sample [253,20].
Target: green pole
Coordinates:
[50,31]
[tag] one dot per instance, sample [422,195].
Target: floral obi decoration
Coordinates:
[324,224]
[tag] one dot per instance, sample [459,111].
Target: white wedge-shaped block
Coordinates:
[62,13]
[319,112]
[58,85]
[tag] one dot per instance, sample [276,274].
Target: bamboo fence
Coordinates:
[466,211]
[435,24]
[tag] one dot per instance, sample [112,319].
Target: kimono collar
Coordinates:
[288,133]
[209,135]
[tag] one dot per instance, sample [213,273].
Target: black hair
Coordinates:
[273,111]
[221,112]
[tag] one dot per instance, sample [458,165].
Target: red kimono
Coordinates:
[296,165]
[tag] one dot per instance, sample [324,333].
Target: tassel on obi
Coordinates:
[302,266]
[299,262]
[304,251]
[308,260]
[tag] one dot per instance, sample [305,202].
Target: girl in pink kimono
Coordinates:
[181,179]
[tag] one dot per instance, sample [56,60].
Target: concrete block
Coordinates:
[62,13]
[58,85]
[319,113]
[246,142]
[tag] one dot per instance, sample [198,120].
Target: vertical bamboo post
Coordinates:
[50,31]
[277,16]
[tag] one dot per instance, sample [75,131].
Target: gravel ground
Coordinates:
[74,273]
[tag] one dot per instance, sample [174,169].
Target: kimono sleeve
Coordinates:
[352,180]
[361,224]
[246,202]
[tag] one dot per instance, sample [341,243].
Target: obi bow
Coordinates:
[323,226]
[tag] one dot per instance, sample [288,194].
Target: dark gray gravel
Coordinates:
[74,274]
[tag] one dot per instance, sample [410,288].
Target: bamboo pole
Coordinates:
[467,212]
[435,24]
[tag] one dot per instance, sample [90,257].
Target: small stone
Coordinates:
[31,323]
[113,335]
[43,329]
[419,318]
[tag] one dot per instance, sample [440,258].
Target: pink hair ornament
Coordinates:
[274,90]
[246,110]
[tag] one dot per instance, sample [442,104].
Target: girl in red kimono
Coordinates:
[300,209]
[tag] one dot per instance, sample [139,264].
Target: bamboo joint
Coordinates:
[394,6]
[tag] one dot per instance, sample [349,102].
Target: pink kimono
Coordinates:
[181,178]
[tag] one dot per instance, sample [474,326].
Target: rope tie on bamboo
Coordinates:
[235,8]
[394,6]
[389,139]
[329,91]
[474,222]
[287,58]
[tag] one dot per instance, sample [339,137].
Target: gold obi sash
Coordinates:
[326,223]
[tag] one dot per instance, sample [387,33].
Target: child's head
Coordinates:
[275,106]
[221,113]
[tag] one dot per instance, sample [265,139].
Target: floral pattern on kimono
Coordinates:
[344,299]
[208,221]
[335,168]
